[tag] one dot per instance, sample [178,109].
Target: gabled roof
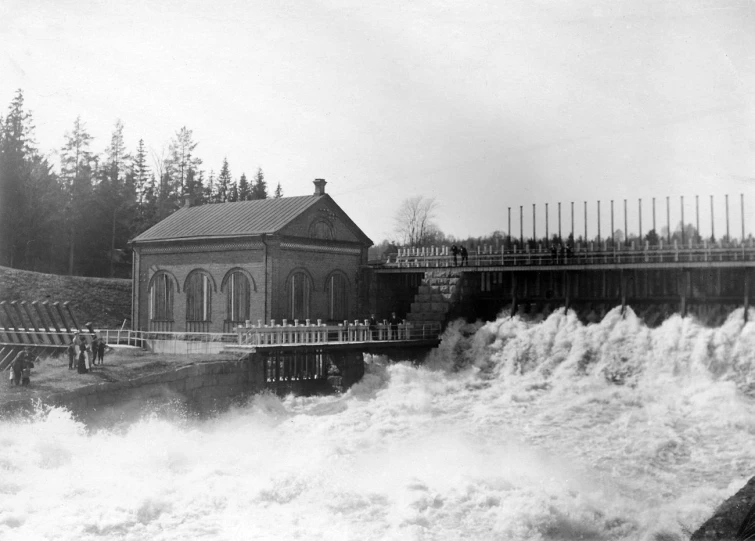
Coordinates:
[244,218]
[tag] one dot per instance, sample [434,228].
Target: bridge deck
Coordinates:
[583,257]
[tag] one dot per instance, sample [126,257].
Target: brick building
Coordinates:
[213,267]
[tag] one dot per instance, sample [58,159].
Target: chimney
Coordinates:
[187,201]
[320,186]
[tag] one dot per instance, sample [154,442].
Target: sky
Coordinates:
[481,105]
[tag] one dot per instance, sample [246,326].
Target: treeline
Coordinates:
[79,220]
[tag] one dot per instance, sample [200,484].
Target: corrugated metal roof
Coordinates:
[229,219]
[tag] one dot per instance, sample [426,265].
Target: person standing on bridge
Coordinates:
[464,256]
[394,323]
[454,252]
[373,327]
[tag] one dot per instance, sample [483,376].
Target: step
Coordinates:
[430,307]
[434,297]
[425,316]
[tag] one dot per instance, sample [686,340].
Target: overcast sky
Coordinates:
[480,105]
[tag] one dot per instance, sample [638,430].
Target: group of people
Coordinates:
[560,253]
[20,373]
[393,324]
[88,354]
[462,251]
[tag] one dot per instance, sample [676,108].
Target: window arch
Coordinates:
[198,288]
[321,229]
[299,290]
[336,287]
[161,292]
[238,285]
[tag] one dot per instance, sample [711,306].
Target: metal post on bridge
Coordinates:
[509,231]
[534,235]
[682,205]
[742,205]
[697,215]
[598,222]
[639,208]
[654,229]
[613,238]
[572,221]
[712,227]
[727,218]
[668,219]
[626,227]
[585,223]
[521,227]
[546,224]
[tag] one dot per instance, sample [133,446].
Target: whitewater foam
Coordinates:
[512,429]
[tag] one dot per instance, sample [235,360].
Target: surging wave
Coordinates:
[511,430]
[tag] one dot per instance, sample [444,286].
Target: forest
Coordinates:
[76,216]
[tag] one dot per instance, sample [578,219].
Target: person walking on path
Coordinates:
[464,256]
[101,351]
[82,364]
[26,370]
[454,252]
[17,367]
[71,350]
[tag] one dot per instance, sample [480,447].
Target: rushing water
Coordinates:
[512,430]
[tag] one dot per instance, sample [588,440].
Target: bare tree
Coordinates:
[414,220]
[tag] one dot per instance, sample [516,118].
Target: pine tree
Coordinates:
[278,191]
[209,191]
[140,170]
[259,190]
[181,160]
[16,147]
[76,171]
[224,182]
[244,189]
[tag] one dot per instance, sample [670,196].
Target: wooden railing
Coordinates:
[580,254]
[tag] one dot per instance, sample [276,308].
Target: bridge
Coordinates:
[706,279]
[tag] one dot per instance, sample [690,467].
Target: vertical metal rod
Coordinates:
[626,228]
[742,205]
[668,219]
[654,229]
[682,205]
[697,216]
[572,220]
[727,218]
[712,228]
[546,225]
[509,229]
[559,221]
[521,227]
[585,223]
[598,221]
[534,232]
[639,208]
[613,239]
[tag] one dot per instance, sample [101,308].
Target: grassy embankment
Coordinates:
[102,301]
[105,302]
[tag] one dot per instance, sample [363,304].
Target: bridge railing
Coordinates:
[320,333]
[582,254]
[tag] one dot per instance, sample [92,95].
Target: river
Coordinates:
[512,430]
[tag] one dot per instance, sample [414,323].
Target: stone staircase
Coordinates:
[438,293]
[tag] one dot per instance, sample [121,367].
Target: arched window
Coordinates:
[238,299]
[321,229]
[198,288]
[161,302]
[299,288]
[335,287]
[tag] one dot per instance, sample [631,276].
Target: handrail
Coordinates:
[580,255]
[320,333]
